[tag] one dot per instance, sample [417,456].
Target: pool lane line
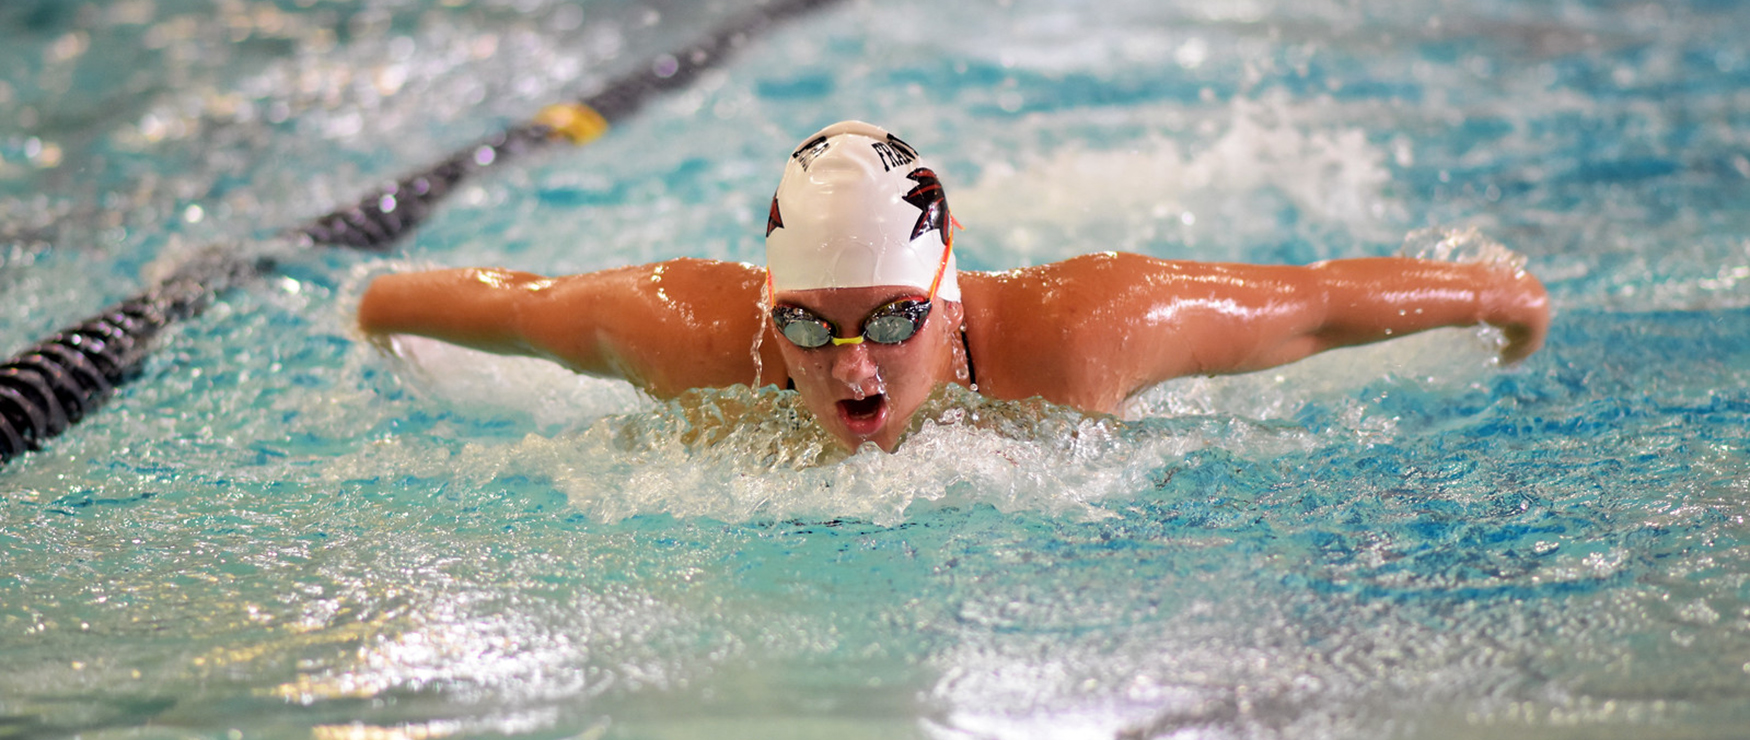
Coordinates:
[53,384]
[380,218]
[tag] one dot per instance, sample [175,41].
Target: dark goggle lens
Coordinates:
[896,322]
[890,324]
[804,332]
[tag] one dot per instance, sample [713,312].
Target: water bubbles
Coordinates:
[1466,244]
[402,48]
[1259,163]
[1192,53]
[1394,526]
[737,455]
[42,154]
[568,17]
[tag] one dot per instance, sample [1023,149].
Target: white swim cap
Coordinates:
[857,208]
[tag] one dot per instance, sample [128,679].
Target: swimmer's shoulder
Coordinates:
[1064,287]
[689,284]
[710,267]
[699,275]
[665,326]
[1050,330]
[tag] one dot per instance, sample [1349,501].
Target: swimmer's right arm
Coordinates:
[666,327]
[479,308]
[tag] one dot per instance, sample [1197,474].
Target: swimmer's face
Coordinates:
[868,392]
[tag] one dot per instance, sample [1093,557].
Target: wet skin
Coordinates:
[867,392]
[1087,332]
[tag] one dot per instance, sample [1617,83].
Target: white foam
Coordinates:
[1076,199]
[487,385]
[1442,360]
[739,455]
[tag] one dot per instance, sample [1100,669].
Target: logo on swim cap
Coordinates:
[774,220]
[928,197]
[856,208]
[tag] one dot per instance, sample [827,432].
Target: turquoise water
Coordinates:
[278,531]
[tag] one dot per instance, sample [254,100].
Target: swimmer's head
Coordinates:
[859,208]
[862,282]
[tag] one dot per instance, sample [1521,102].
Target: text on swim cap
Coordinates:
[807,153]
[894,153]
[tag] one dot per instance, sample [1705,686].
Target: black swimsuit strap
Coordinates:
[971,372]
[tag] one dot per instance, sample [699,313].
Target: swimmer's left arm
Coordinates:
[1093,330]
[1368,300]
[1277,315]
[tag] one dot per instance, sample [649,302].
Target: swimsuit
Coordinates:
[971,373]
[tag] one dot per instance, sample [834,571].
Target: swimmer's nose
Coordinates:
[852,365]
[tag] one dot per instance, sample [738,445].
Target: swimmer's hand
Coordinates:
[1371,299]
[1515,302]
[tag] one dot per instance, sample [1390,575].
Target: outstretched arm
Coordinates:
[665,327]
[480,308]
[1358,301]
[1093,330]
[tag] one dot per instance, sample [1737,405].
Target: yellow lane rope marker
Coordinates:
[574,121]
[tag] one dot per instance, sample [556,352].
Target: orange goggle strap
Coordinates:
[947,250]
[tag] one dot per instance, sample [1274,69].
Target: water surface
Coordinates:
[278,531]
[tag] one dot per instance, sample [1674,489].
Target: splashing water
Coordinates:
[738,455]
[1461,245]
[322,539]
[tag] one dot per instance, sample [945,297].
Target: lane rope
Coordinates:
[379,219]
[62,378]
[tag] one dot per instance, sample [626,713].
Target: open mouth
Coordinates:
[864,417]
[864,409]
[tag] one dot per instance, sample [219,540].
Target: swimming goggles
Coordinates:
[890,324]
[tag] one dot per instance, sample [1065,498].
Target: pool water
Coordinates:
[280,531]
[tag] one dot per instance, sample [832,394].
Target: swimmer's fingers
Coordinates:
[1519,305]
[1522,342]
